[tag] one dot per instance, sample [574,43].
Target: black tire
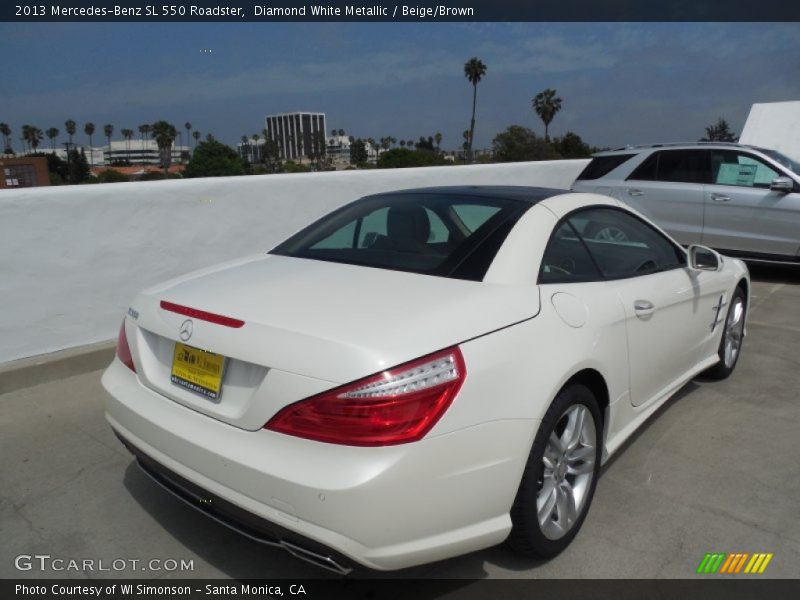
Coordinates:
[527,535]
[723,369]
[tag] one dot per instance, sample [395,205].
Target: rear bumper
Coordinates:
[239,520]
[384,508]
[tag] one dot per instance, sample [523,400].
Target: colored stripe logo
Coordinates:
[722,563]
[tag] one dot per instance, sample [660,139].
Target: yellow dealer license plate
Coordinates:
[198,370]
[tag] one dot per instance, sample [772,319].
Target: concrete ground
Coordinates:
[717,470]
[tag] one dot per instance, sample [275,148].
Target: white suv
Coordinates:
[741,200]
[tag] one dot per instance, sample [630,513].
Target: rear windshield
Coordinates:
[603,165]
[435,234]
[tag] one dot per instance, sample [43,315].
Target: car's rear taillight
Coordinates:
[124,350]
[396,406]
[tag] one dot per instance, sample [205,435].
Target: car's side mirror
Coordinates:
[782,185]
[704,259]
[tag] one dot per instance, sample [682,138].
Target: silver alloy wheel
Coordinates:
[568,461]
[734,332]
[611,234]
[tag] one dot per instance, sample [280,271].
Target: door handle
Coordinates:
[643,307]
[635,192]
[720,198]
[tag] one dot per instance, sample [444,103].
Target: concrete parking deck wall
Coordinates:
[71,258]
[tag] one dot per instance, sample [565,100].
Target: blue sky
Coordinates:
[620,83]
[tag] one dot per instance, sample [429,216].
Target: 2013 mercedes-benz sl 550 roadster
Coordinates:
[420,374]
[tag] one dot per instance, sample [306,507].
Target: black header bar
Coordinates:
[413,11]
[706,588]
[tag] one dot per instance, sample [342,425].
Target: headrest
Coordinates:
[409,222]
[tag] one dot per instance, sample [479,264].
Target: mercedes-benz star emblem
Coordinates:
[186,330]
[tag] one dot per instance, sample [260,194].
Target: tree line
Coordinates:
[32,136]
[261,153]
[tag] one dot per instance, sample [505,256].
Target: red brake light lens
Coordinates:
[397,406]
[124,350]
[202,315]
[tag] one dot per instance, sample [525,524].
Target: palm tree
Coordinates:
[188,127]
[474,70]
[108,131]
[52,134]
[5,130]
[438,138]
[269,152]
[196,136]
[283,152]
[164,133]
[32,135]
[71,128]
[88,129]
[402,143]
[25,138]
[144,131]
[245,144]
[127,134]
[341,132]
[466,145]
[36,137]
[546,104]
[255,138]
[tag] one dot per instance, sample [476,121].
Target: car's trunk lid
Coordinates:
[309,326]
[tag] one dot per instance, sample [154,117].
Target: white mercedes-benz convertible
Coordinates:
[422,373]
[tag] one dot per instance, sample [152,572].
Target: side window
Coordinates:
[339,239]
[601,166]
[566,259]
[624,246]
[680,166]
[648,170]
[729,167]
[686,166]
[439,232]
[474,215]
[373,225]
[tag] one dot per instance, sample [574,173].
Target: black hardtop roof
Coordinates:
[521,193]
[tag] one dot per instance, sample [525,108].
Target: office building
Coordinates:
[295,132]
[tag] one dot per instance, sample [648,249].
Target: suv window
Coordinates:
[729,167]
[684,166]
[600,166]
[566,259]
[782,159]
[623,245]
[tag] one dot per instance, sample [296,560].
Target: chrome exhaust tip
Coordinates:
[318,560]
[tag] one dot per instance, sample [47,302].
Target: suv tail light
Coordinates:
[124,350]
[396,406]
